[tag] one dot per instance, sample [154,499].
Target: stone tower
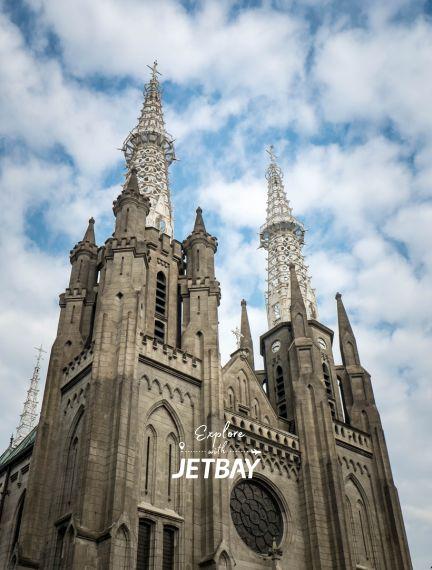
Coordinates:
[135,371]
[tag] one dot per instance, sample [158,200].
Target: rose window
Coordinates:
[256,515]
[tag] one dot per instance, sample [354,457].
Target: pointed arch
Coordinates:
[256,409]
[224,562]
[199,345]
[231,399]
[173,414]
[121,556]
[149,463]
[173,463]
[361,523]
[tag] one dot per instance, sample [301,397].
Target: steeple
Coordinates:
[246,337]
[83,258]
[149,150]
[282,236]
[131,209]
[347,341]
[89,236]
[28,418]
[200,248]
[199,222]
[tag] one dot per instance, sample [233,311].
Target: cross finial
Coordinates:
[238,335]
[270,152]
[39,350]
[154,70]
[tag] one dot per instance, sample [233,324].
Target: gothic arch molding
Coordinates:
[171,411]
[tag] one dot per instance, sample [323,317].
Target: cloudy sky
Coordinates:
[343,89]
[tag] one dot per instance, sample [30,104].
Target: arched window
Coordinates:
[161,293]
[256,411]
[231,398]
[144,550]
[173,467]
[148,467]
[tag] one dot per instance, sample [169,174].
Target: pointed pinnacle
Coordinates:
[347,341]
[132,183]
[89,235]
[246,338]
[199,222]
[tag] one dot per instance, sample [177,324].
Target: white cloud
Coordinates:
[378,74]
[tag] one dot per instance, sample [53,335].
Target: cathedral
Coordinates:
[136,391]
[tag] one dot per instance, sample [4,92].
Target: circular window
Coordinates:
[256,515]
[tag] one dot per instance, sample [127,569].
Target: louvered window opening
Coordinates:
[161,293]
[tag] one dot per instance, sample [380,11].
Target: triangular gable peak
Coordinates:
[243,392]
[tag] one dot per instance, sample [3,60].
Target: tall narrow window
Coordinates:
[160,331]
[126,219]
[327,380]
[144,544]
[280,393]
[71,470]
[170,457]
[161,293]
[329,389]
[147,466]
[168,558]
[179,315]
[342,397]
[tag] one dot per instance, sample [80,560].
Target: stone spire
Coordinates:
[199,225]
[28,418]
[149,149]
[246,337]
[89,236]
[347,341]
[282,236]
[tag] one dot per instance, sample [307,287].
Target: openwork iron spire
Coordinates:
[149,149]
[283,237]
[28,418]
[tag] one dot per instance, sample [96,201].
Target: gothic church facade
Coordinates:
[135,369]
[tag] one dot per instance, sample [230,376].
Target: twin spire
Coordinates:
[282,236]
[149,150]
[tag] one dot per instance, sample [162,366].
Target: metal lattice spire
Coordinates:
[28,418]
[150,150]
[283,237]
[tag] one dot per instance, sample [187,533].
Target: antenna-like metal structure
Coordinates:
[28,418]
[149,149]
[282,236]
